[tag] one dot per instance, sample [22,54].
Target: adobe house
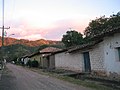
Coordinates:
[52,59]
[43,57]
[49,59]
[69,61]
[38,56]
[102,56]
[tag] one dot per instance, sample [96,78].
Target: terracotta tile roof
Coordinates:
[38,53]
[45,51]
[84,46]
[50,49]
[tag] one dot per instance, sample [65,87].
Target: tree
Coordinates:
[96,26]
[114,20]
[102,24]
[35,63]
[72,38]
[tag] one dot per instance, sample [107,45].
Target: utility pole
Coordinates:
[3,24]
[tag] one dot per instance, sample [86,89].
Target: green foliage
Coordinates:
[29,63]
[45,46]
[58,46]
[34,63]
[114,20]
[72,38]
[102,24]
[13,52]
[96,26]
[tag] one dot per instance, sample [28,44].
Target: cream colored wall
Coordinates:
[97,57]
[36,57]
[72,61]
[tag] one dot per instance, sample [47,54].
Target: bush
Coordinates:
[29,63]
[34,63]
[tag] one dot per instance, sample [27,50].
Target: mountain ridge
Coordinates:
[10,41]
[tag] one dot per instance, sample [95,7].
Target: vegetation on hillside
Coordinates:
[12,52]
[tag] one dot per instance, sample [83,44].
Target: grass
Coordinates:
[85,83]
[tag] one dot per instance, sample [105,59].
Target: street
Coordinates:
[19,78]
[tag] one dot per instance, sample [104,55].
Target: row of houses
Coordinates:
[101,56]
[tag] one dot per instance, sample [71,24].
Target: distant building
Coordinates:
[43,57]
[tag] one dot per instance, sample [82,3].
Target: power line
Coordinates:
[3,27]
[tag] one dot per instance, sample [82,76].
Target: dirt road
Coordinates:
[18,78]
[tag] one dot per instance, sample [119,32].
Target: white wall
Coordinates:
[72,61]
[97,57]
[103,57]
[75,61]
[112,63]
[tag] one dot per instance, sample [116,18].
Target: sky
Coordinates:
[50,19]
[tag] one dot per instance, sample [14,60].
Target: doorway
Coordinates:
[87,62]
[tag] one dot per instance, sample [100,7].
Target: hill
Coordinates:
[16,48]
[10,41]
[12,52]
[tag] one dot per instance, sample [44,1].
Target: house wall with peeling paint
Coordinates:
[69,61]
[97,58]
[112,59]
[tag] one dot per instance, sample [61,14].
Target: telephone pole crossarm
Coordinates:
[5,28]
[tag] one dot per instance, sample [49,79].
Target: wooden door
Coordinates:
[87,62]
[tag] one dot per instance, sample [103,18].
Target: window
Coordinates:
[119,53]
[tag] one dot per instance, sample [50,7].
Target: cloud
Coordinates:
[62,26]
[24,30]
[32,37]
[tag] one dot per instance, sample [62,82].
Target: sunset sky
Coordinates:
[50,19]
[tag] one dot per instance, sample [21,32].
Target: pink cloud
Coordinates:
[23,30]
[61,27]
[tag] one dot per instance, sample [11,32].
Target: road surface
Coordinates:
[19,78]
